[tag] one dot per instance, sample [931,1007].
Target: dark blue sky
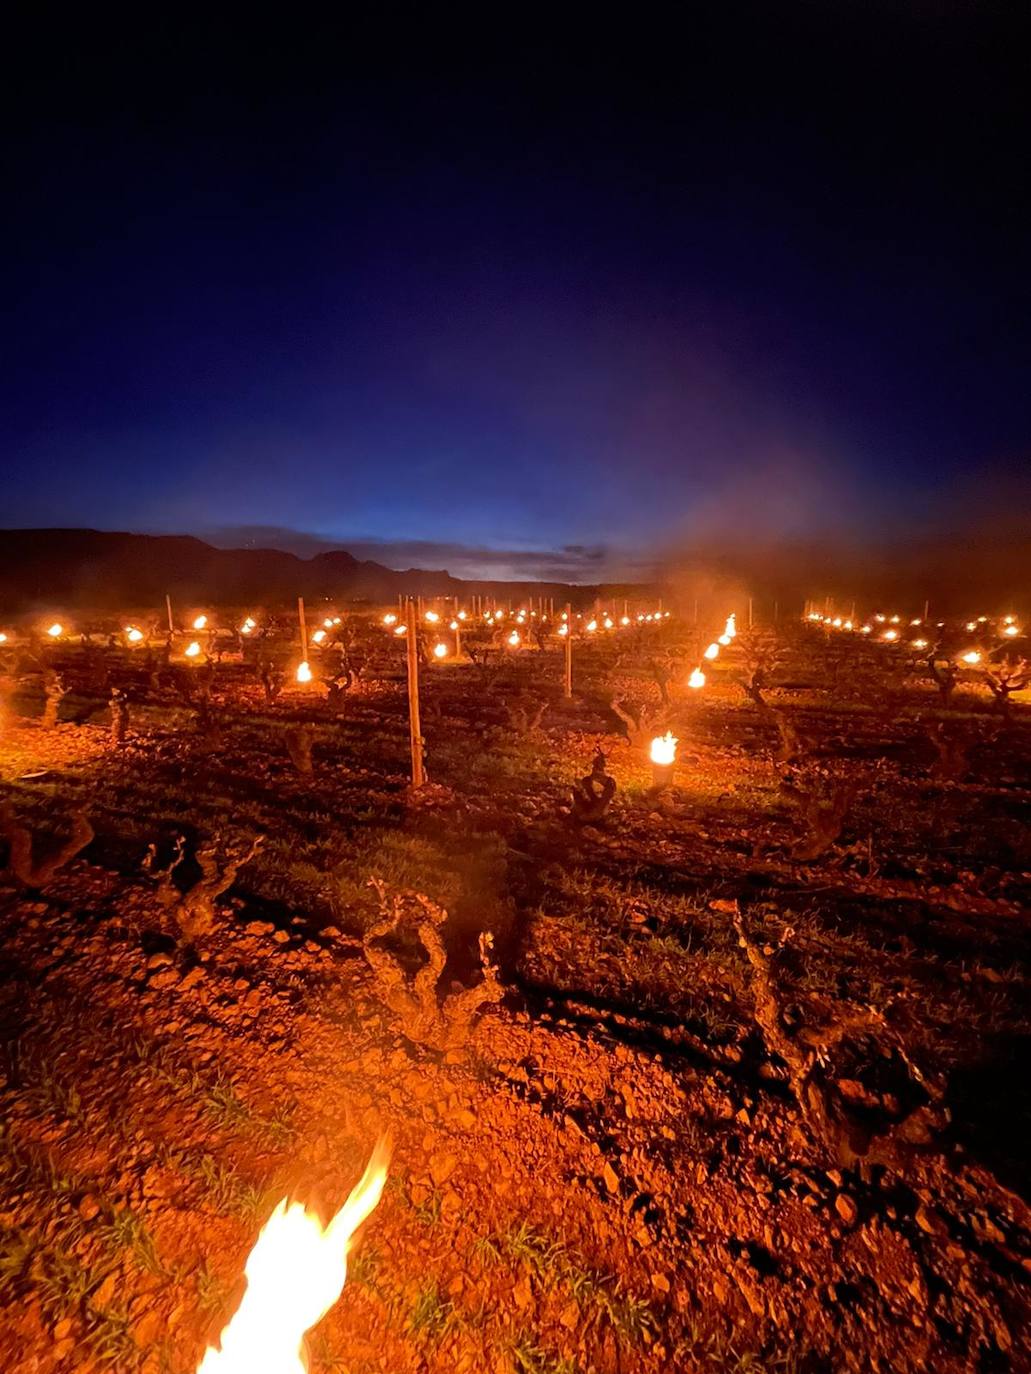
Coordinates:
[586,290]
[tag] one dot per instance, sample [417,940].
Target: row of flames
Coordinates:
[514,638]
[663,752]
[193,651]
[890,630]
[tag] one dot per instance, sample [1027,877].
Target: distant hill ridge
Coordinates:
[106,571]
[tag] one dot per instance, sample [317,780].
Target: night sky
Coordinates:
[518,293]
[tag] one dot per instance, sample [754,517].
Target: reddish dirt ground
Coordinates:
[614,1169]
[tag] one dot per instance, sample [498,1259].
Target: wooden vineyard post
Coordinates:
[168,607]
[749,612]
[304,629]
[414,729]
[458,637]
[567,690]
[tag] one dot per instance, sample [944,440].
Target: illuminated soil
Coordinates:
[612,1173]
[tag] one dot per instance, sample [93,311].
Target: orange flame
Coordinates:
[295,1273]
[664,748]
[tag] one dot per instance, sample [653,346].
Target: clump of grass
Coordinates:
[428,1212]
[110,1338]
[17,1247]
[600,1296]
[725,1354]
[226,1190]
[124,1230]
[212,1292]
[431,1313]
[529,1358]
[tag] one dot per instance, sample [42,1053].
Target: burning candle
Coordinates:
[663,756]
[200,622]
[513,639]
[664,749]
[390,618]
[971,657]
[697,679]
[303,672]
[712,651]
[891,634]
[318,636]
[133,635]
[56,630]
[440,651]
[192,649]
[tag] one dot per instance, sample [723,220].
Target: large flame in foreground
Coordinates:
[295,1273]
